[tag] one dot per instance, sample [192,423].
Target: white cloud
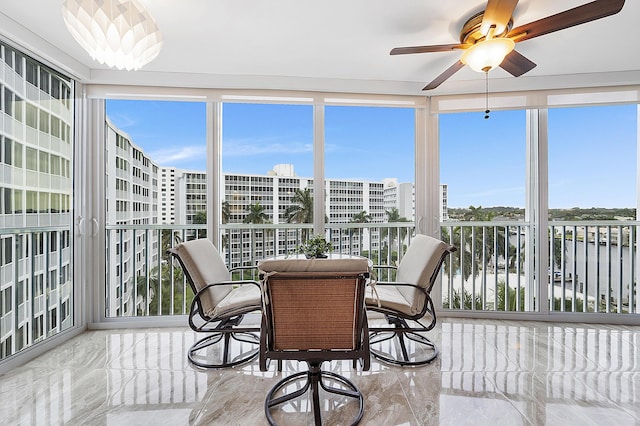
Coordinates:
[122,121]
[181,154]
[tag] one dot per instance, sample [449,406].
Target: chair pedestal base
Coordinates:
[313,379]
[402,345]
[227,349]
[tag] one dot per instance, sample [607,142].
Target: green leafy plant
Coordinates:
[316,246]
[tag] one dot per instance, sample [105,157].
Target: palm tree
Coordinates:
[200,218]
[301,208]
[226,212]
[462,257]
[152,304]
[494,241]
[393,216]
[362,217]
[256,214]
[225,216]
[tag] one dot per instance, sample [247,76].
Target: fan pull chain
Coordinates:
[486,91]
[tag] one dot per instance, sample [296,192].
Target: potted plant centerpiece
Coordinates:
[315,247]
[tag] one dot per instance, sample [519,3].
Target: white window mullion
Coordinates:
[427,173]
[537,208]
[215,178]
[318,170]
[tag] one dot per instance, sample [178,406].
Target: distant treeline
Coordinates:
[576,213]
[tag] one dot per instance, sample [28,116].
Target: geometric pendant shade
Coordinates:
[119,33]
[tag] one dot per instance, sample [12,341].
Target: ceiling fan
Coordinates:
[488,39]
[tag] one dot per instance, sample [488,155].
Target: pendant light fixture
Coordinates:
[119,33]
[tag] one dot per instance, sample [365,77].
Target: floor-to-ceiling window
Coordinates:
[36,197]
[370,173]
[486,196]
[593,158]
[267,179]
[483,172]
[156,190]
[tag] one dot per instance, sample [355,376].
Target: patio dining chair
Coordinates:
[314,312]
[218,307]
[407,305]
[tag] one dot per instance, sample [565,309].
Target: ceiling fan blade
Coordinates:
[498,13]
[516,64]
[445,75]
[428,49]
[569,18]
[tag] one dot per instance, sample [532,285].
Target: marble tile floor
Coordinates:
[488,373]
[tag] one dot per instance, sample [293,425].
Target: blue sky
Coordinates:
[592,151]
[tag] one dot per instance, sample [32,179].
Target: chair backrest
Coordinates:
[420,266]
[203,265]
[315,304]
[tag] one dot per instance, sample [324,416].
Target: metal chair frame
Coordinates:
[399,327]
[313,378]
[221,329]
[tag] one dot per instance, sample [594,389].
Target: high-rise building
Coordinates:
[167,195]
[132,199]
[256,198]
[402,196]
[191,195]
[36,156]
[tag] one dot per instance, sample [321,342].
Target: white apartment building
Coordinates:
[274,192]
[167,195]
[402,197]
[190,195]
[132,199]
[36,155]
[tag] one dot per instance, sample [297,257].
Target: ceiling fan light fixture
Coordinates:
[119,33]
[488,54]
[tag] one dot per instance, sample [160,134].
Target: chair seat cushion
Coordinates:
[390,298]
[240,300]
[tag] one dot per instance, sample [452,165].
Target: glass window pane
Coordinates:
[156,174]
[483,177]
[8,150]
[268,176]
[592,207]
[483,162]
[370,171]
[26,202]
[581,174]
[32,115]
[44,162]
[17,154]
[32,158]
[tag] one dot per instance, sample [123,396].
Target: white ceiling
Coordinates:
[336,45]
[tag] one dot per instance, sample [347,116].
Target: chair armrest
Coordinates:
[384,267]
[239,270]
[391,283]
[230,282]
[383,270]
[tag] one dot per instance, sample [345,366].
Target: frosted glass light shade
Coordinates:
[119,33]
[488,54]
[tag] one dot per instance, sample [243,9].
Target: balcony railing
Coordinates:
[595,266]
[36,286]
[592,266]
